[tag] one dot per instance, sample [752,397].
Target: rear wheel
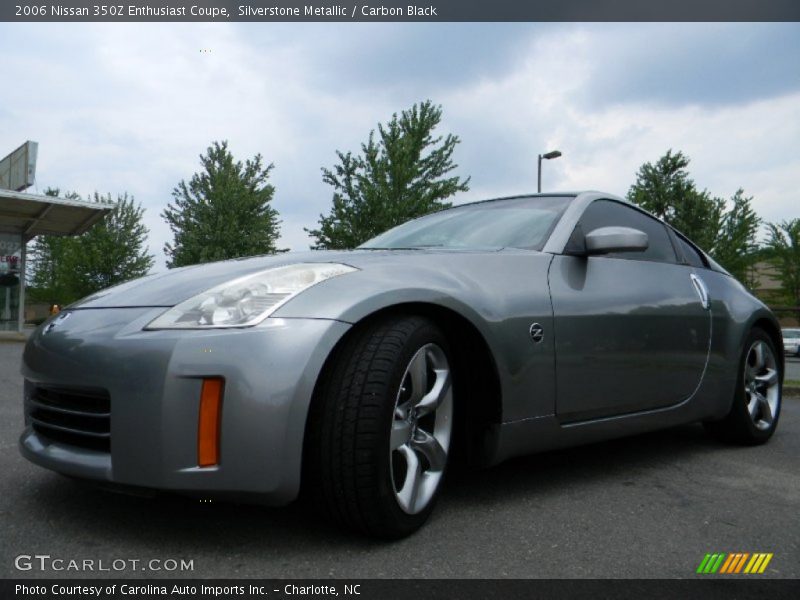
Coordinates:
[756,407]
[381,426]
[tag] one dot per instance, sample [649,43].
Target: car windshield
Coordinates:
[791,333]
[512,223]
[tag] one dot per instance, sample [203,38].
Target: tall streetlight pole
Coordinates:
[547,156]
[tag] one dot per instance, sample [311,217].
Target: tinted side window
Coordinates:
[690,253]
[607,213]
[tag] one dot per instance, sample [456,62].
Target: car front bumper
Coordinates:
[152,381]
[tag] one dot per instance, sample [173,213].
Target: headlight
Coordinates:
[248,300]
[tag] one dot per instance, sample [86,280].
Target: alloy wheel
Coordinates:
[761,384]
[421,429]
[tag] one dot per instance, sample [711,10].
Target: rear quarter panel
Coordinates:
[735,311]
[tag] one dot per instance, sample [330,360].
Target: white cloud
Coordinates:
[540,107]
[130,107]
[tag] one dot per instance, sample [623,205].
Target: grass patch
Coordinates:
[795,383]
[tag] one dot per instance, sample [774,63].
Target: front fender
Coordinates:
[501,293]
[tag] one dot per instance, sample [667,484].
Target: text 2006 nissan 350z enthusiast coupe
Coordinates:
[477,333]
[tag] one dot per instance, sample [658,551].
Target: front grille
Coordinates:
[78,417]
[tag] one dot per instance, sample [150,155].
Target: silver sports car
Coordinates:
[474,334]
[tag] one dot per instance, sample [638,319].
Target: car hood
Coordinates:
[176,285]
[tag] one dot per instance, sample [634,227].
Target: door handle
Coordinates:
[701,290]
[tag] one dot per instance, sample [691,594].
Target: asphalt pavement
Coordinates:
[647,506]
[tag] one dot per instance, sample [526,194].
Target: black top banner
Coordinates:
[399,10]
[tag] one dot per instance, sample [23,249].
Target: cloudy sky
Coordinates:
[129,107]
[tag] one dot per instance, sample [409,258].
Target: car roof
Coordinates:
[517,197]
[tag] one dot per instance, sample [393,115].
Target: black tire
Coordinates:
[348,459]
[738,426]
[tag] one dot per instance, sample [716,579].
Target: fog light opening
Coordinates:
[209,426]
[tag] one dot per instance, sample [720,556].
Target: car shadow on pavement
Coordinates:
[623,461]
[98,514]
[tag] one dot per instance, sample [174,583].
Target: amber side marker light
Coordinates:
[208,430]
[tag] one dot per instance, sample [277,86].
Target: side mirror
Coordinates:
[615,239]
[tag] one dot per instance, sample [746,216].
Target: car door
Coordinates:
[632,330]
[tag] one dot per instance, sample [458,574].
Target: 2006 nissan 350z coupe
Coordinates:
[474,334]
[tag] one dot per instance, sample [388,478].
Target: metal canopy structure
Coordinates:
[24,216]
[31,214]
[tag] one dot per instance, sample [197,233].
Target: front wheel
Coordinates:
[381,425]
[757,404]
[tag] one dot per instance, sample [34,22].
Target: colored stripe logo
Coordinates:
[735,562]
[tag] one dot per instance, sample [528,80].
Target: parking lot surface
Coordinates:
[648,506]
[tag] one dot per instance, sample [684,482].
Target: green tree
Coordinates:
[399,176]
[666,190]
[736,246]
[114,250]
[223,212]
[782,251]
[727,231]
[64,269]
[46,273]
